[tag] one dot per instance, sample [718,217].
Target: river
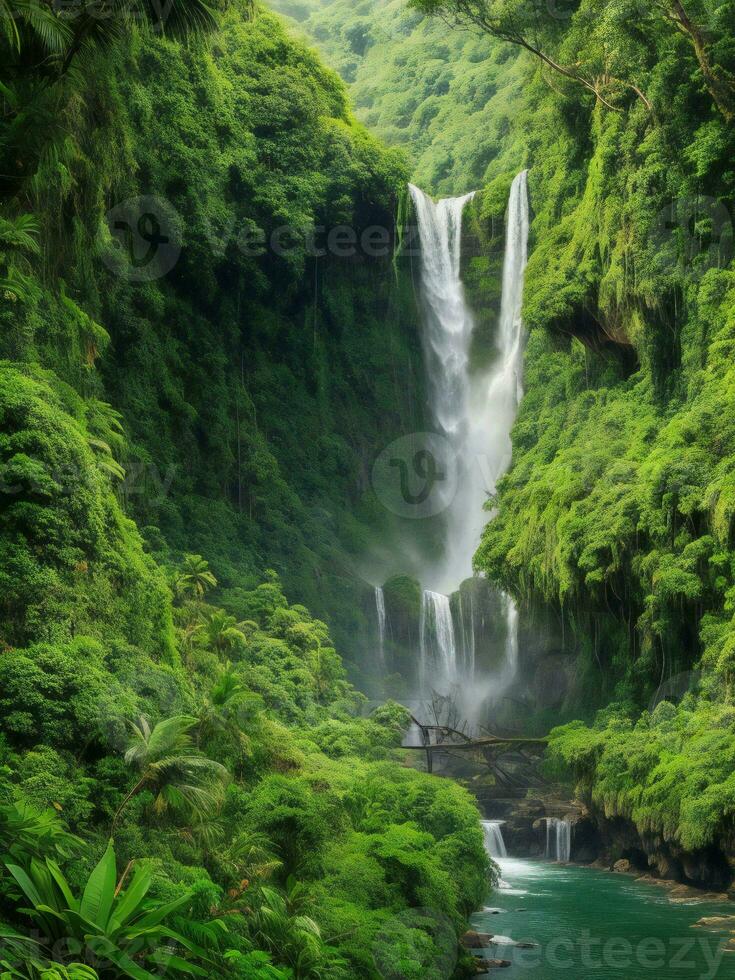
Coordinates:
[595,925]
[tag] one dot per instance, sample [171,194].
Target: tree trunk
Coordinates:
[721,91]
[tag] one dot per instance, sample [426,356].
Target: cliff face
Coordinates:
[222,229]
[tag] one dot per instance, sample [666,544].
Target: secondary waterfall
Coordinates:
[473,410]
[438,644]
[558,839]
[382,623]
[494,843]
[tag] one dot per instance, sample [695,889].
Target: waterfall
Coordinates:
[494,843]
[448,322]
[473,410]
[510,667]
[467,636]
[438,646]
[382,621]
[558,839]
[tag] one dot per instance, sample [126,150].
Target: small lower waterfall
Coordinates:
[382,623]
[558,839]
[438,644]
[494,843]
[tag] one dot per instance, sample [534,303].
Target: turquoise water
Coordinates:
[594,925]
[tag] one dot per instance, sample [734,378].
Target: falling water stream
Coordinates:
[494,843]
[474,411]
[558,839]
[382,624]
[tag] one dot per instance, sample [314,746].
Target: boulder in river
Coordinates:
[476,940]
[687,893]
[716,922]
[623,866]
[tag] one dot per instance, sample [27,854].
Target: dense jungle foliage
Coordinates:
[618,508]
[259,377]
[189,785]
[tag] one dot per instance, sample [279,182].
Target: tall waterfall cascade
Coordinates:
[494,843]
[382,623]
[558,839]
[474,411]
[438,651]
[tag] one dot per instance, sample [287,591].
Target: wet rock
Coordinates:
[716,922]
[495,964]
[476,940]
[687,893]
[623,866]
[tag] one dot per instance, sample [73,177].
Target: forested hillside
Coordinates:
[446,98]
[186,784]
[256,383]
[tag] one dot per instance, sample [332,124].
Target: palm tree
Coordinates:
[27,23]
[18,241]
[223,631]
[195,578]
[249,861]
[225,708]
[188,635]
[172,768]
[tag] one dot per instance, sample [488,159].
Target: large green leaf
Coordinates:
[129,903]
[29,889]
[63,885]
[99,892]
[104,949]
[155,916]
[170,962]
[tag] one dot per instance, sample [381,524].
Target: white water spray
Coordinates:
[474,411]
[494,843]
[438,651]
[558,839]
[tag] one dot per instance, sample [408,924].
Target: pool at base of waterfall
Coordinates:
[586,924]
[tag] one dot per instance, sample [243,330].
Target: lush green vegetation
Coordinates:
[253,381]
[260,828]
[446,98]
[618,508]
[189,785]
